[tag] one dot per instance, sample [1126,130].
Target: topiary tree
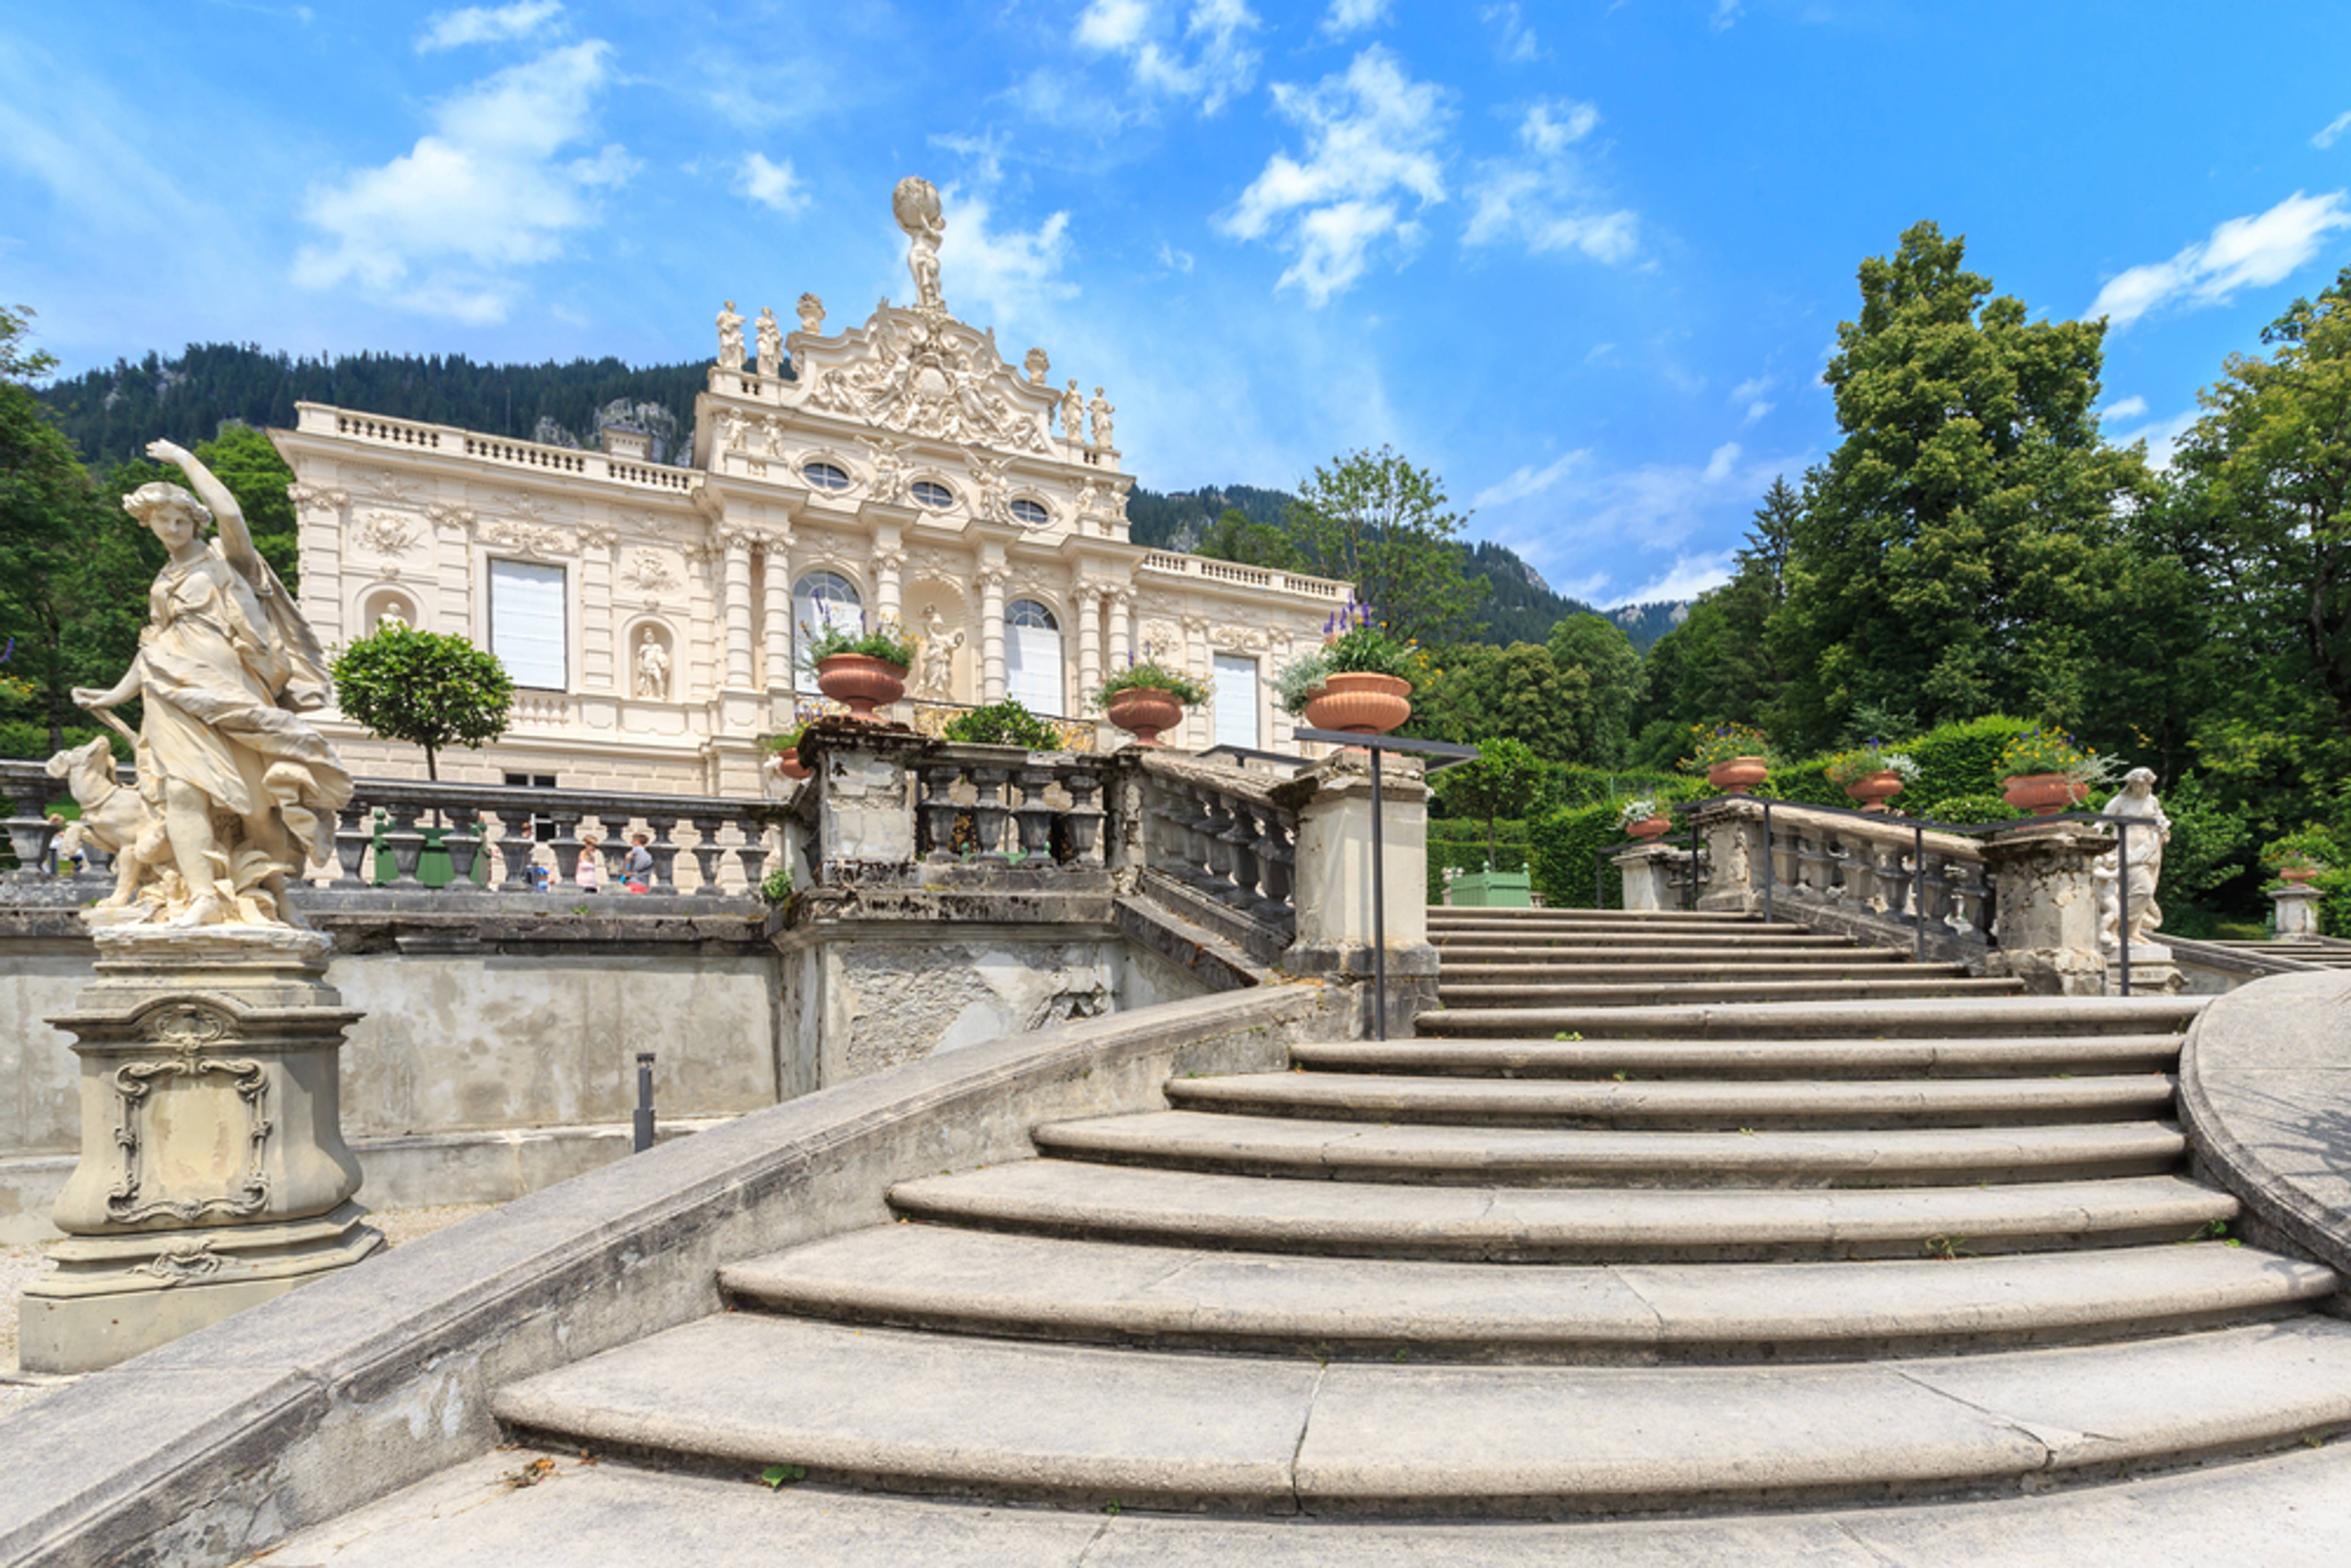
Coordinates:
[1507,777]
[423,688]
[1007,723]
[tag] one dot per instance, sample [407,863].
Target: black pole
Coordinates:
[644,1128]
[1917,892]
[1767,860]
[1380,903]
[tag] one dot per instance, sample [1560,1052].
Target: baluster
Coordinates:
[704,850]
[1216,855]
[663,830]
[354,832]
[566,845]
[1033,816]
[514,846]
[406,843]
[462,840]
[936,812]
[1241,840]
[1901,884]
[988,810]
[30,831]
[1970,892]
[1082,822]
[1934,889]
[1277,852]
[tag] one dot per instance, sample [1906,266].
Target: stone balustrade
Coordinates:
[1217,832]
[1010,805]
[1935,887]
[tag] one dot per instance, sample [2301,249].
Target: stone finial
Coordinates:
[1038,366]
[811,310]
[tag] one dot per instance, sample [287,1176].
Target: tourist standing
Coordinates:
[591,875]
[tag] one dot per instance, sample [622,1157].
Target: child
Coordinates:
[591,875]
[637,866]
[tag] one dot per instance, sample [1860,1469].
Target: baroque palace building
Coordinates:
[649,614]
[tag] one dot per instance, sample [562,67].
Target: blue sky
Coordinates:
[1584,261]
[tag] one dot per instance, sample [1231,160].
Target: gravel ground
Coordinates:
[19,1265]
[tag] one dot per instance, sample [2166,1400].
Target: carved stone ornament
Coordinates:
[317,498]
[730,337]
[916,377]
[386,533]
[533,541]
[189,1031]
[1248,639]
[648,573]
[385,483]
[1038,366]
[811,310]
[599,536]
[1161,639]
[446,515]
[183,1262]
[915,205]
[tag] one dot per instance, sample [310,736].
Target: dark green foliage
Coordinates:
[1373,519]
[1178,521]
[111,414]
[1233,537]
[1580,786]
[1959,759]
[1594,644]
[1506,778]
[1964,811]
[423,688]
[1560,847]
[1518,691]
[1462,846]
[1809,782]
[1007,723]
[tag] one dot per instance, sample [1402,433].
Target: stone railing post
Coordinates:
[1648,873]
[861,805]
[1331,883]
[2048,906]
[1732,831]
[2297,912]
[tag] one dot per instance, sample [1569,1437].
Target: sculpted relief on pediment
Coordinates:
[915,376]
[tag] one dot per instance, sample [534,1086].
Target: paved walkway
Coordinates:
[520,1508]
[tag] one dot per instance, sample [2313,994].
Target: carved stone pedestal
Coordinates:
[2297,912]
[1648,873]
[2152,972]
[213,1174]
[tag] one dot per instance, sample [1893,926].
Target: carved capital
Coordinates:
[599,536]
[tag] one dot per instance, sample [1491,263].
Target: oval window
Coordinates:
[1031,514]
[826,476]
[935,496]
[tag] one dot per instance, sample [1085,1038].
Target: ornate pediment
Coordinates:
[923,373]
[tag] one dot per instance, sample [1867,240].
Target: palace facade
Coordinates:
[651,614]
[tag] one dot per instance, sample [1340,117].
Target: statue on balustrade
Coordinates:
[1074,415]
[235,791]
[770,338]
[2137,874]
[1101,410]
[730,337]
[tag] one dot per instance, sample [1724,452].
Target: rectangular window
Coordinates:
[527,626]
[1235,702]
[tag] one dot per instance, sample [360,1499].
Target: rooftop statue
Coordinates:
[243,790]
[915,205]
[730,337]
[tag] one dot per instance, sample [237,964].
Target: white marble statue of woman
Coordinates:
[730,337]
[935,677]
[772,343]
[2143,867]
[1101,410]
[245,789]
[1074,415]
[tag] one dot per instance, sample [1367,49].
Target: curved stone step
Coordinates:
[1876,1018]
[1526,1156]
[1563,1224]
[1077,1424]
[1440,914]
[1657,993]
[1696,954]
[1037,1287]
[1615,926]
[1721,969]
[1867,1102]
[1638,1059]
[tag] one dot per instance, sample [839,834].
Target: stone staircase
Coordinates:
[1658,1212]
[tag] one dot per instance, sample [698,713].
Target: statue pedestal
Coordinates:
[2297,912]
[213,1174]
[2152,972]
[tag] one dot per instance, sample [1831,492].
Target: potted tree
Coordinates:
[1734,757]
[1507,778]
[1360,681]
[2046,771]
[1147,698]
[860,669]
[1872,775]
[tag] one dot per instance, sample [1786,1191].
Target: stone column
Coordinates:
[213,1174]
[319,543]
[599,670]
[735,606]
[991,634]
[889,561]
[1121,628]
[2048,907]
[1648,875]
[1201,662]
[1090,670]
[776,611]
[2297,913]
[1331,883]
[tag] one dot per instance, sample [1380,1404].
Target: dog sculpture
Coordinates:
[113,818]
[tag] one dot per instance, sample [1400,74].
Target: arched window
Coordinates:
[934,495]
[1032,656]
[1031,514]
[821,598]
[826,476]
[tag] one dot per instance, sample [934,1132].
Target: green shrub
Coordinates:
[1460,842]
[1965,810]
[1560,846]
[1807,782]
[2334,904]
[1959,759]
[1007,723]
[1574,785]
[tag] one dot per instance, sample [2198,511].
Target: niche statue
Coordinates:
[243,791]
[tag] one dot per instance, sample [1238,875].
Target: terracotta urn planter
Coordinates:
[860,683]
[1739,775]
[788,764]
[1874,789]
[2297,875]
[1650,828]
[2043,794]
[1359,703]
[1144,711]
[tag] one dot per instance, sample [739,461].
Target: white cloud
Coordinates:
[436,229]
[1726,14]
[1173,260]
[1347,16]
[1537,201]
[1371,141]
[1005,276]
[1528,480]
[2332,131]
[1211,60]
[486,24]
[1690,576]
[769,184]
[1750,392]
[2129,408]
[1516,40]
[1720,462]
[2241,253]
[2161,435]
